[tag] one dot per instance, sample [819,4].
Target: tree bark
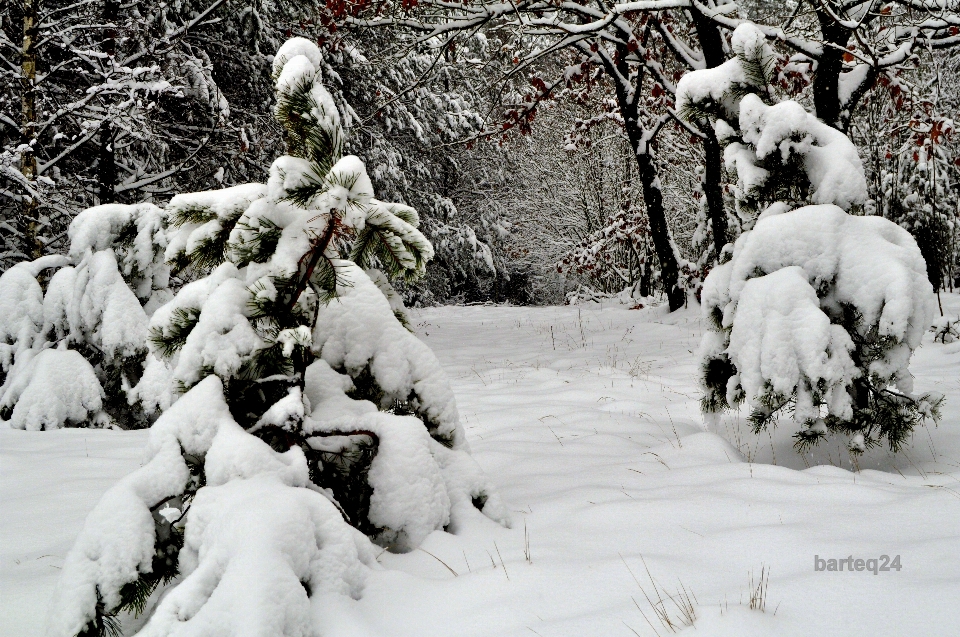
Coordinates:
[711,43]
[713,190]
[106,159]
[826,81]
[653,198]
[106,165]
[28,222]
[650,182]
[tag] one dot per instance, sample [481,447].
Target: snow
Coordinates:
[416,481]
[873,263]
[722,84]
[781,337]
[156,390]
[409,495]
[106,308]
[830,159]
[99,228]
[223,339]
[297,70]
[246,481]
[21,313]
[591,432]
[92,303]
[357,331]
[785,280]
[52,389]
[252,550]
[297,47]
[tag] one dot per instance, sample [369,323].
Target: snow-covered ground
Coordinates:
[588,421]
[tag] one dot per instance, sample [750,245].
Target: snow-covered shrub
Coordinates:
[305,418]
[815,312]
[96,305]
[818,313]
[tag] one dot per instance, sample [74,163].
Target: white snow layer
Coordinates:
[253,549]
[218,205]
[782,337]
[719,85]
[358,331]
[92,303]
[21,312]
[830,159]
[580,440]
[294,47]
[419,486]
[98,228]
[767,295]
[246,550]
[52,389]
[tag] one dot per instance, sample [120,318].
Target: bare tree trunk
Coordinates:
[649,180]
[653,198]
[106,159]
[713,191]
[826,81]
[27,223]
[106,165]
[711,43]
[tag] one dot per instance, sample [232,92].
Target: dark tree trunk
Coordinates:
[713,190]
[826,81]
[28,222]
[711,43]
[653,198]
[106,165]
[649,180]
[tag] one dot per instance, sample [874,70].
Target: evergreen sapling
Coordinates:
[813,312]
[301,419]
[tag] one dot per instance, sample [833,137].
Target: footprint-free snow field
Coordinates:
[629,517]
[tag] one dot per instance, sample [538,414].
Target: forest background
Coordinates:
[504,130]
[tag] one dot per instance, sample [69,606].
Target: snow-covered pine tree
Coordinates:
[72,354]
[309,414]
[816,312]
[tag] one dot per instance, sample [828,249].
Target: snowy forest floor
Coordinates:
[588,421]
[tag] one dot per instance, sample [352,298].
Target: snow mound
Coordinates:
[52,389]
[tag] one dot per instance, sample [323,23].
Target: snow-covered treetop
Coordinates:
[779,151]
[718,91]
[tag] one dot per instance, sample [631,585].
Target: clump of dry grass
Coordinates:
[673,611]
